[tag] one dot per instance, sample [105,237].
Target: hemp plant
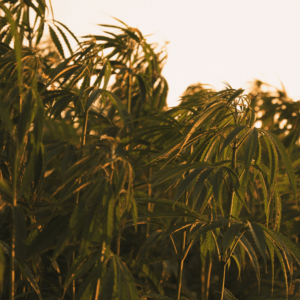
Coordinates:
[215,150]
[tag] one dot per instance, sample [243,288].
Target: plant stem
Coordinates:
[221,280]
[208,277]
[12,252]
[224,257]
[233,163]
[180,265]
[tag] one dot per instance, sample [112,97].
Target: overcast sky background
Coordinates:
[209,41]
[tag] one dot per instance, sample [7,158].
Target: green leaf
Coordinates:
[200,183]
[26,116]
[248,248]
[18,43]
[252,142]
[56,42]
[228,295]
[217,183]
[146,270]
[5,188]
[283,269]
[65,39]
[108,283]
[121,109]
[230,235]
[171,172]
[150,241]
[231,136]
[286,159]
[259,238]
[71,33]
[26,272]
[202,117]
[187,182]
[92,97]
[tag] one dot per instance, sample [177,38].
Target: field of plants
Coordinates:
[106,193]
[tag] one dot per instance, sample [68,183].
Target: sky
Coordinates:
[208,41]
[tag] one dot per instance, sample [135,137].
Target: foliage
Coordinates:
[107,194]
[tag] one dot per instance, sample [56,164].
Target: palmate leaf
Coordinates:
[286,159]
[207,113]
[230,234]
[125,282]
[147,271]
[279,256]
[184,185]
[17,41]
[153,238]
[217,183]
[248,248]
[259,238]
[201,182]
[228,295]
[65,39]
[121,109]
[170,173]
[264,194]
[231,136]
[252,142]
[210,226]
[56,42]
[94,95]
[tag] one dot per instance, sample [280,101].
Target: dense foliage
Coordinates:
[105,193]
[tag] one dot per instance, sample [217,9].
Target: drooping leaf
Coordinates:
[248,248]
[252,142]
[231,136]
[286,159]
[230,235]
[56,42]
[259,238]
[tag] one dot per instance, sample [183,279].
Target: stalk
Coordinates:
[12,252]
[229,212]
[180,265]
[221,280]
[150,205]
[208,278]
[203,279]
[83,141]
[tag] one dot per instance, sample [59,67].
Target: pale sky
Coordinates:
[210,41]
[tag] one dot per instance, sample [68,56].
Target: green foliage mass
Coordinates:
[105,193]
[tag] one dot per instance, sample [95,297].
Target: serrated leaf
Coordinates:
[252,142]
[56,42]
[92,97]
[121,109]
[248,248]
[150,241]
[231,136]
[228,295]
[259,238]
[200,183]
[286,159]
[185,183]
[65,39]
[230,235]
